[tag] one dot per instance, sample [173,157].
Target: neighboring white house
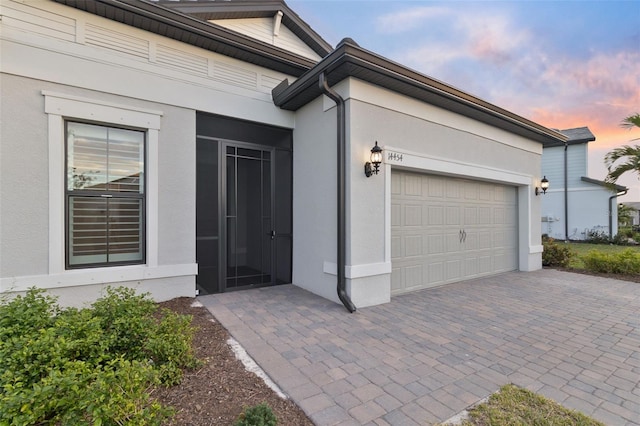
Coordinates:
[635,214]
[575,205]
[180,147]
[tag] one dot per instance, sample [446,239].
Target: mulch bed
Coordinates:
[218,391]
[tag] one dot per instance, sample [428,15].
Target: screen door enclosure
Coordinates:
[243,214]
[248,204]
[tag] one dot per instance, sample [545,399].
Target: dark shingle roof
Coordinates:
[579,135]
[575,136]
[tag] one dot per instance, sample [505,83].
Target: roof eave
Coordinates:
[255,9]
[612,187]
[174,24]
[350,60]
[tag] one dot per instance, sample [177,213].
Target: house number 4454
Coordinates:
[394,156]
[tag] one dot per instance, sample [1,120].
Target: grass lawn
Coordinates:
[581,249]
[517,406]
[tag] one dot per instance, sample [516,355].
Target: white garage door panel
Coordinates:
[445,230]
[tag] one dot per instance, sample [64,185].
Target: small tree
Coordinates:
[629,154]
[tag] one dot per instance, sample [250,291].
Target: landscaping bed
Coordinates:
[218,391]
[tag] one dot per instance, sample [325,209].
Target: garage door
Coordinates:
[445,230]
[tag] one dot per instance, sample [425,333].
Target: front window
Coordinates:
[105,202]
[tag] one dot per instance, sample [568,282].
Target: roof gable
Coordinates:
[271,31]
[244,16]
[187,22]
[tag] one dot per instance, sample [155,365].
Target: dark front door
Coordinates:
[243,206]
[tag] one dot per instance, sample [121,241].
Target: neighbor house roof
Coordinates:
[617,187]
[576,135]
[350,60]
[187,22]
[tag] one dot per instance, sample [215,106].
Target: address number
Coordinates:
[394,156]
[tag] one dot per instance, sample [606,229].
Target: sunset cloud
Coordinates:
[561,64]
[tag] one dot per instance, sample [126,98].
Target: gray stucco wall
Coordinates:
[24,159]
[314,198]
[24,178]
[404,124]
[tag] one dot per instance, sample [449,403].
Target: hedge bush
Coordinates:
[624,262]
[258,415]
[89,366]
[554,254]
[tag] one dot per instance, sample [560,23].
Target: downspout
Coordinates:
[623,192]
[566,195]
[342,293]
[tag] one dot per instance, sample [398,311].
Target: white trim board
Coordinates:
[412,160]
[358,271]
[81,277]
[59,107]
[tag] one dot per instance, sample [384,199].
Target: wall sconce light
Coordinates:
[544,185]
[376,159]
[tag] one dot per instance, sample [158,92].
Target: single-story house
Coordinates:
[635,213]
[576,206]
[193,147]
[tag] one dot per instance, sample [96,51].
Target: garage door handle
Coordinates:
[460,236]
[464,236]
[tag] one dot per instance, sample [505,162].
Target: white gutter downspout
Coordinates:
[623,192]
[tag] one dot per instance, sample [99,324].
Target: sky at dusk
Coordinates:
[562,64]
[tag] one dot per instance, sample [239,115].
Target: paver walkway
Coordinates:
[428,355]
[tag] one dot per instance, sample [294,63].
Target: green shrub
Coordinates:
[94,365]
[597,237]
[259,415]
[624,262]
[554,254]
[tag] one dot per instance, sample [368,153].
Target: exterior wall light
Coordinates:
[376,159]
[544,185]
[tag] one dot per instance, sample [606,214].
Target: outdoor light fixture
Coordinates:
[544,185]
[373,167]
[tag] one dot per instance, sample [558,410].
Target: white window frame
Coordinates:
[60,107]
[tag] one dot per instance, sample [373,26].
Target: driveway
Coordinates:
[428,355]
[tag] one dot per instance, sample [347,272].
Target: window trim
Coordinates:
[60,107]
[111,195]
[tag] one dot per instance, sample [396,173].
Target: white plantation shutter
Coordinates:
[105,195]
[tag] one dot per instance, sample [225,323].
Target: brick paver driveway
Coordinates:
[428,355]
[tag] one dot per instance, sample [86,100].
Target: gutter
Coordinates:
[341,287]
[620,193]
[350,60]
